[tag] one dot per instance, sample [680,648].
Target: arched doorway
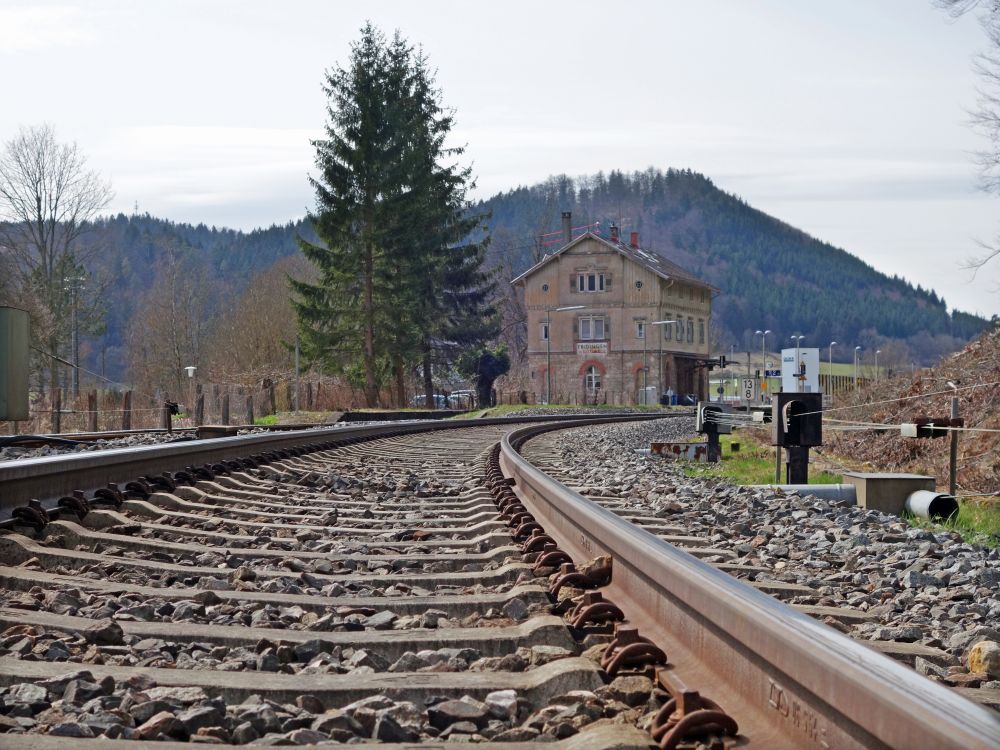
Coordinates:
[592,382]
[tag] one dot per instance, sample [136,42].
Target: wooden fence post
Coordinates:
[309,396]
[199,410]
[225,408]
[57,410]
[273,407]
[127,411]
[92,411]
[166,418]
[250,409]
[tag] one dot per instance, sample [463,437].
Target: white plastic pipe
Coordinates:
[929,504]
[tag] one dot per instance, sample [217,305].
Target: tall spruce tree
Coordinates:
[398,279]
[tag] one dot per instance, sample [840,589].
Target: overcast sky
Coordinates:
[847,119]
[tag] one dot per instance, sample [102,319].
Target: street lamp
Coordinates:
[763,355]
[548,346]
[659,360]
[798,362]
[877,352]
[856,350]
[190,373]
[830,360]
[75,284]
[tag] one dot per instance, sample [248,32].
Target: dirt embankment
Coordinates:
[976,371]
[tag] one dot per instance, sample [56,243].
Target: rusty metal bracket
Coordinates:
[32,514]
[76,503]
[594,610]
[537,542]
[687,714]
[109,495]
[551,558]
[630,650]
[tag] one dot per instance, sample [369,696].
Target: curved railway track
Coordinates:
[404,584]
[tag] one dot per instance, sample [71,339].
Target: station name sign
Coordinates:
[592,347]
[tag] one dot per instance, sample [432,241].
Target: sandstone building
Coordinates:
[606,347]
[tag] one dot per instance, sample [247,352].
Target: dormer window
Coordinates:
[590,282]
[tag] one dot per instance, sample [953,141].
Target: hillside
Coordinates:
[976,371]
[771,275]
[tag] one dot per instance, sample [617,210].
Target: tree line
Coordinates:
[383,281]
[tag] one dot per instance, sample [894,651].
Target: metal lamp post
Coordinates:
[75,284]
[659,360]
[830,363]
[763,356]
[798,348]
[856,350]
[877,352]
[548,346]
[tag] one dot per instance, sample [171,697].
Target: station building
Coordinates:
[595,313]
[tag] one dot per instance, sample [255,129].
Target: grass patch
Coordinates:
[977,523]
[752,464]
[268,420]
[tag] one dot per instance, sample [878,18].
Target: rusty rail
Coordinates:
[733,651]
[84,475]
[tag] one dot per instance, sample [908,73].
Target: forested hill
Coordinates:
[772,276]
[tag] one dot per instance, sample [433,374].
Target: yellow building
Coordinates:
[596,322]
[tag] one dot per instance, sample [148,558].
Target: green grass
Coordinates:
[268,420]
[752,464]
[977,523]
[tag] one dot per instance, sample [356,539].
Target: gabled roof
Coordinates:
[648,259]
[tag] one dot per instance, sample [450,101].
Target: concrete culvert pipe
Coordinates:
[928,504]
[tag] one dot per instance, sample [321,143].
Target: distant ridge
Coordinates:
[772,275]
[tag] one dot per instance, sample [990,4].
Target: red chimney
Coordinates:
[614,233]
[634,240]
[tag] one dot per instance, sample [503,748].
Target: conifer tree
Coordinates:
[398,277]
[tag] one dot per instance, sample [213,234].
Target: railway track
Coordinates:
[404,584]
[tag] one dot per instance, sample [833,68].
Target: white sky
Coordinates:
[847,119]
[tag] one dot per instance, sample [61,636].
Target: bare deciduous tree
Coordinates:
[47,196]
[252,340]
[986,117]
[168,331]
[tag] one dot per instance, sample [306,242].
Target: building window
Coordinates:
[690,330]
[592,380]
[640,329]
[680,330]
[668,329]
[545,331]
[701,331]
[591,328]
[590,282]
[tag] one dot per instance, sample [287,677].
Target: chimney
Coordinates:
[614,233]
[567,226]
[634,240]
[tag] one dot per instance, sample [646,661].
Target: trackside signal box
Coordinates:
[797,426]
[797,419]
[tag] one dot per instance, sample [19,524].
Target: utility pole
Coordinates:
[953,449]
[73,284]
[296,399]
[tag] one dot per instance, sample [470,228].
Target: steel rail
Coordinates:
[790,680]
[49,478]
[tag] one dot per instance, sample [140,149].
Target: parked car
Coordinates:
[420,401]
